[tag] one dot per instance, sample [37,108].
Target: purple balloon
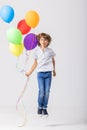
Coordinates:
[30,41]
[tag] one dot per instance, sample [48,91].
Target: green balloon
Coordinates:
[14,36]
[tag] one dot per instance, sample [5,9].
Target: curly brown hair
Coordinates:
[44,35]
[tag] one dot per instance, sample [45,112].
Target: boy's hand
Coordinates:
[27,74]
[54,73]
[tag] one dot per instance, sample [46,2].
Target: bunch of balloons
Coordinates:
[14,35]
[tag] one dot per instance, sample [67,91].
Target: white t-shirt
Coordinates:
[44,59]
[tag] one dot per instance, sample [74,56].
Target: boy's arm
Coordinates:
[32,68]
[53,61]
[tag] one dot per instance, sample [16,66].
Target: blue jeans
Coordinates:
[44,84]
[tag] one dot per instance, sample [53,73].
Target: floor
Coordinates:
[10,119]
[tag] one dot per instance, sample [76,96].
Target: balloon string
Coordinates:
[23,91]
[20,99]
[19,68]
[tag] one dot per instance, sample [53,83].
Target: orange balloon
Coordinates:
[32,18]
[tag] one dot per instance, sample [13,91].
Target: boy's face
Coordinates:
[43,42]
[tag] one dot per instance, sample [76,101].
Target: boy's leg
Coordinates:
[48,78]
[40,77]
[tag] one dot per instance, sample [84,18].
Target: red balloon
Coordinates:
[23,27]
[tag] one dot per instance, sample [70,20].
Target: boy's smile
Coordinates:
[43,42]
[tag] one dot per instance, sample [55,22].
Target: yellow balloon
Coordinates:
[32,18]
[16,49]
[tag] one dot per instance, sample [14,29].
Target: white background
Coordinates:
[66,22]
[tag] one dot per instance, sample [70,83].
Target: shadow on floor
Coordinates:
[64,124]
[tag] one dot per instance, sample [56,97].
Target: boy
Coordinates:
[45,63]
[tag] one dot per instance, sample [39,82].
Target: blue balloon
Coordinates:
[7,13]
